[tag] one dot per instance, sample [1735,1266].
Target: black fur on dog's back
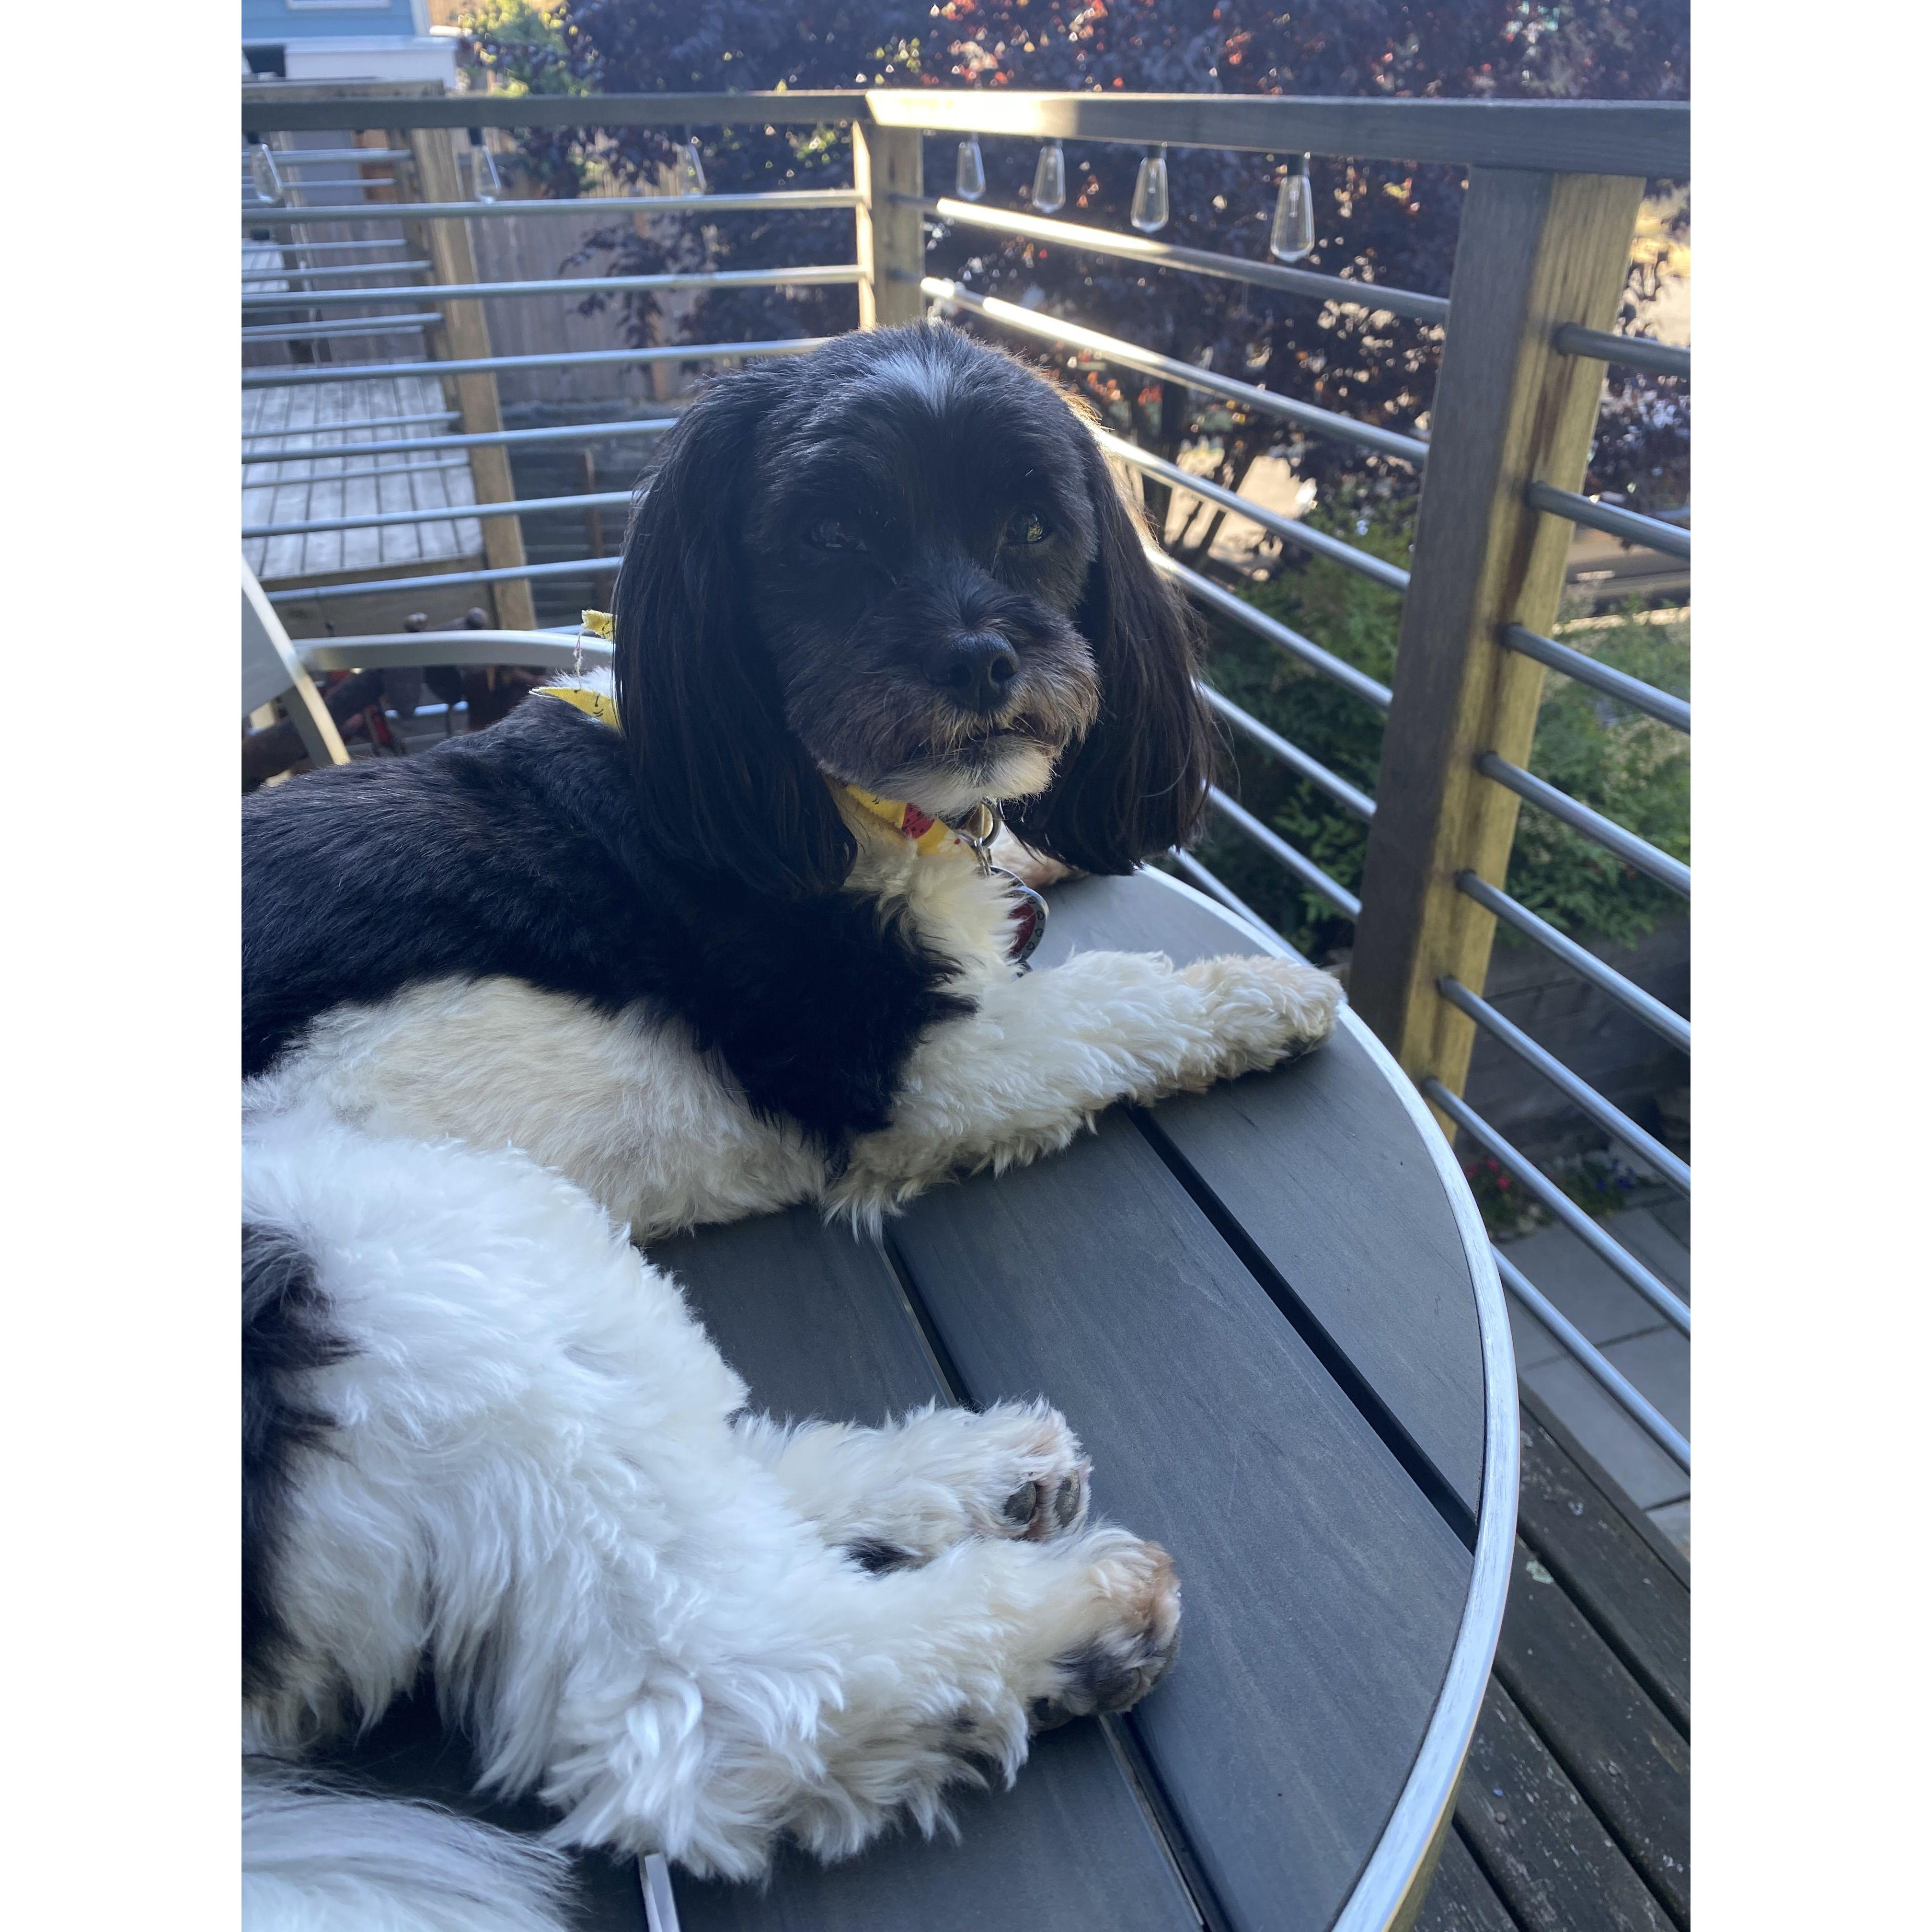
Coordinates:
[519,851]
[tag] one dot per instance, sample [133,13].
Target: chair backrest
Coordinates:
[271,670]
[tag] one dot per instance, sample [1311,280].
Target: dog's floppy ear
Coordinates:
[725,788]
[1137,783]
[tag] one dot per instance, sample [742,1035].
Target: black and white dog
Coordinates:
[699,950]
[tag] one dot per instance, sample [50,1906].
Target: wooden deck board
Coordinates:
[1545,1851]
[1619,1748]
[334,480]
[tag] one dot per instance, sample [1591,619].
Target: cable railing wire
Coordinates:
[580,205]
[1594,1362]
[527,506]
[358,423]
[1581,1095]
[1611,1253]
[1647,533]
[1653,1012]
[1196,261]
[1627,352]
[575,359]
[1131,355]
[815,275]
[1291,755]
[1290,530]
[1278,848]
[1290,643]
[1660,705]
[1637,852]
[576,566]
[481,439]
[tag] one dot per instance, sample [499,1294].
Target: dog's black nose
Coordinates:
[975,669]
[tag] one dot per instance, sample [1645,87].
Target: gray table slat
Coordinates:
[816,1324]
[1317,1164]
[1322,1592]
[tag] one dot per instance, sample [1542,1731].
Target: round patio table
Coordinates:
[1270,1312]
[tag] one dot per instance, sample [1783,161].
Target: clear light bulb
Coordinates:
[690,169]
[487,183]
[1149,212]
[1049,180]
[1292,234]
[969,177]
[267,178]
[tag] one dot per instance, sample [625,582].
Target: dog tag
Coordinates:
[1028,915]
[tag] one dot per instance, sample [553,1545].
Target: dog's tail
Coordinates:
[317,1857]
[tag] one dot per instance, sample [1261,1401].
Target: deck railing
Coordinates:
[1553,194]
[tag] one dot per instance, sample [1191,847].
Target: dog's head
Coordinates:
[900,562]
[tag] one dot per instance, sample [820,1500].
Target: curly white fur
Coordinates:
[536,1483]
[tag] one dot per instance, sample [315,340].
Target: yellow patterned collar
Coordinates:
[928,834]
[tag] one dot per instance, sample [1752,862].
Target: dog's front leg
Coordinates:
[1045,1052]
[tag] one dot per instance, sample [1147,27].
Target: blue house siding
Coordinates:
[269,22]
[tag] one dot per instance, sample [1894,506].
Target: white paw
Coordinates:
[1118,1608]
[1263,1010]
[1014,1472]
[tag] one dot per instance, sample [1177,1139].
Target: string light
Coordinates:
[1149,211]
[1049,180]
[487,183]
[690,169]
[265,175]
[969,177]
[1292,234]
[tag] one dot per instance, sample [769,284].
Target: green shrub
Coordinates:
[1627,766]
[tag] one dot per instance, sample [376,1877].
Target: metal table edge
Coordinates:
[1401,1858]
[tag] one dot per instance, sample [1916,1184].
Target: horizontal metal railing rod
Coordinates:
[1648,532]
[350,428]
[1193,869]
[334,248]
[816,276]
[1576,136]
[1653,1012]
[1290,530]
[1278,848]
[557,650]
[586,566]
[1291,755]
[284,155]
[1198,261]
[1613,1121]
[596,205]
[1290,643]
[1594,1364]
[1627,352]
[1131,355]
[1633,691]
[487,439]
[306,479]
[338,331]
[574,358]
[1636,852]
[528,506]
[1613,1255]
[680,352]
[336,273]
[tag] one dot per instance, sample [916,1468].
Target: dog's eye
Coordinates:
[1027,526]
[835,533]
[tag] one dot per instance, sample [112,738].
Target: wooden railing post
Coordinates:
[1536,251]
[466,335]
[886,161]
